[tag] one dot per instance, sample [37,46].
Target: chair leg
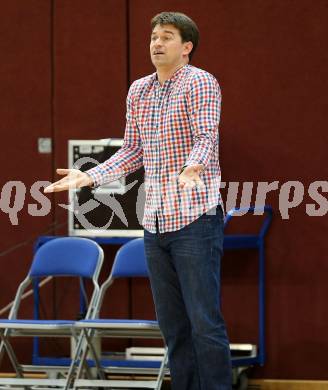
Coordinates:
[4,333]
[161,372]
[83,360]
[79,361]
[76,358]
[89,346]
[12,356]
[2,351]
[94,355]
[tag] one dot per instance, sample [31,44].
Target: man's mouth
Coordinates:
[158,52]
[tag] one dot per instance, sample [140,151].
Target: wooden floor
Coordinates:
[267,384]
[273,384]
[254,384]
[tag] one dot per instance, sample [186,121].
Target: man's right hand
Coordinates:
[74,179]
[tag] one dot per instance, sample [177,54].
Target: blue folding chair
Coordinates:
[129,263]
[65,256]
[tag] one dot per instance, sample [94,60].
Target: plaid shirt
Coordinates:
[168,127]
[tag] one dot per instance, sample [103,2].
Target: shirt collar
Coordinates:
[176,75]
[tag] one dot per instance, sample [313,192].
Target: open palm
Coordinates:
[74,178]
[190,177]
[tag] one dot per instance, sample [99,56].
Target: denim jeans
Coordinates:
[184,269]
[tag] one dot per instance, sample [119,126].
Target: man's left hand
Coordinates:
[190,177]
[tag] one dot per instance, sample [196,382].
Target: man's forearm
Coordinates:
[202,150]
[126,160]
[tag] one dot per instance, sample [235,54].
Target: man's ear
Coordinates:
[188,47]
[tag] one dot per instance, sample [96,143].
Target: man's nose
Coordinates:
[158,42]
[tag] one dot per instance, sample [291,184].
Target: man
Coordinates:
[172,130]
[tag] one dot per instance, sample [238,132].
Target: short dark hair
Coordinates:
[187,27]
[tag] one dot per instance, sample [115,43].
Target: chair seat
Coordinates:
[122,328]
[37,325]
[31,382]
[132,384]
[117,323]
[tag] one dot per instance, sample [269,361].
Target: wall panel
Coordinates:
[25,115]
[90,74]
[90,87]
[270,59]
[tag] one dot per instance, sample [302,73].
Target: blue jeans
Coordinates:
[184,269]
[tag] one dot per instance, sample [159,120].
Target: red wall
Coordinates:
[25,93]
[271,62]
[90,73]
[65,74]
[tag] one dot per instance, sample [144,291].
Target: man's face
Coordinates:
[166,47]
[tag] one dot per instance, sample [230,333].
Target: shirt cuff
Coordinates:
[96,175]
[191,163]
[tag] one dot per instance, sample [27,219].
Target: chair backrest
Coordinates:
[130,260]
[64,256]
[67,256]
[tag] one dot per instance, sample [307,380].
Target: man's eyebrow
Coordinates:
[166,31]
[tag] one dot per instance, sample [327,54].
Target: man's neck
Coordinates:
[164,74]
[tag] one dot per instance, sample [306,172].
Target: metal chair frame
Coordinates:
[129,262]
[65,256]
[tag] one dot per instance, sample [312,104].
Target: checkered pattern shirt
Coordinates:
[168,127]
